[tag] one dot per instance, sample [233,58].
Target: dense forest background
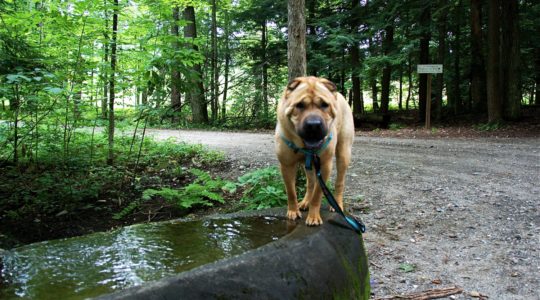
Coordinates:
[74,72]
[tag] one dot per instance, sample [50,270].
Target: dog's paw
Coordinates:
[303,205]
[314,220]
[294,214]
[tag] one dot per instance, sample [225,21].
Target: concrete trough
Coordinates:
[325,262]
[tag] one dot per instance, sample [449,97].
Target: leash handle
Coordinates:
[357,225]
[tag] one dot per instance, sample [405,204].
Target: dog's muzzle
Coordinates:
[313,132]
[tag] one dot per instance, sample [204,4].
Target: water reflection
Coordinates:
[92,265]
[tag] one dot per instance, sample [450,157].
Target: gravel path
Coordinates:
[439,212]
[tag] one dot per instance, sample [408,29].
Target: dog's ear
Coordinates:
[293,84]
[329,85]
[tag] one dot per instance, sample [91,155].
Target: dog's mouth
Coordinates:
[313,144]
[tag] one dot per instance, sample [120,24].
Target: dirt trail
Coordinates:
[439,211]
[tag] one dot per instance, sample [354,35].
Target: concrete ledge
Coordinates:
[325,262]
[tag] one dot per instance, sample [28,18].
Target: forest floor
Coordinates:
[443,207]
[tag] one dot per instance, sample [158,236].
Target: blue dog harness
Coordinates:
[312,159]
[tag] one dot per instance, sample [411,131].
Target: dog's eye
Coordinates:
[300,105]
[324,105]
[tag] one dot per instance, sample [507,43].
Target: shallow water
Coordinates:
[96,264]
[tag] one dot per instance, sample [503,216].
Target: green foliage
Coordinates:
[203,191]
[54,182]
[396,126]
[263,188]
[407,268]
[489,126]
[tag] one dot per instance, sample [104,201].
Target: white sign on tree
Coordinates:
[429,69]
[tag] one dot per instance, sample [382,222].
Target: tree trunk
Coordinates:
[110,156]
[387,70]
[441,53]
[511,83]
[537,76]
[425,20]
[493,68]
[478,71]
[196,94]
[296,44]
[355,64]
[214,81]
[176,101]
[104,70]
[227,62]
[400,100]
[312,35]
[410,85]
[458,103]
[264,64]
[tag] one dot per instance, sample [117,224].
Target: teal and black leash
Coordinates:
[357,225]
[312,159]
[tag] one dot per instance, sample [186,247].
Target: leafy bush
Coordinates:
[203,191]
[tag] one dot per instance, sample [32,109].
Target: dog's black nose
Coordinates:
[313,131]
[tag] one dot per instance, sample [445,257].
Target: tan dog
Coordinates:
[310,110]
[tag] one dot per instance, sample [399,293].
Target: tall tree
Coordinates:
[104,64]
[478,72]
[510,62]
[441,54]
[296,43]
[264,67]
[199,109]
[110,156]
[425,21]
[387,69]
[358,105]
[176,100]
[493,67]
[214,80]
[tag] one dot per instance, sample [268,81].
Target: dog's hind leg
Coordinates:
[289,177]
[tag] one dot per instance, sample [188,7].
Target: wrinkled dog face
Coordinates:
[311,107]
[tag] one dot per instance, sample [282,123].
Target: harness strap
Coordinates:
[308,153]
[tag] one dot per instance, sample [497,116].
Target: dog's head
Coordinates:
[310,104]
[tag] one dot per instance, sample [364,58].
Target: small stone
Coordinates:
[64,212]
[474,294]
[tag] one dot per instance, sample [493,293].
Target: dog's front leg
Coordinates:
[314,214]
[289,177]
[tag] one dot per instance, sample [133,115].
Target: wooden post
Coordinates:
[429,69]
[428,102]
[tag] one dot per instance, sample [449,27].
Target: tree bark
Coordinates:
[296,43]
[478,71]
[264,65]
[537,76]
[110,156]
[493,67]
[410,85]
[176,101]
[441,53]
[196,94]
[227,62]
[425,20]
[355,63]
[387,70]
[104,70]
[511,77]
[214,81]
